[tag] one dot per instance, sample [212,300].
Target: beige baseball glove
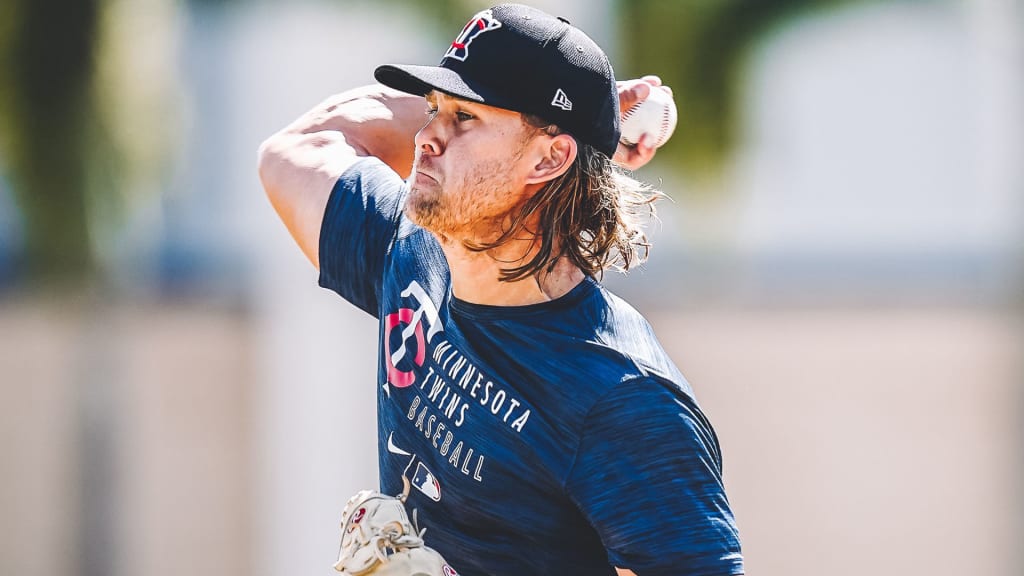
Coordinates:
[377,538]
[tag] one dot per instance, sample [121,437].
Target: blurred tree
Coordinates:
[700,48]
[46,51]
[445,14]
[63,166]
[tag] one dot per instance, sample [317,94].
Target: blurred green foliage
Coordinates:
[46,48]
[701,49]
[448,16]
[63,164]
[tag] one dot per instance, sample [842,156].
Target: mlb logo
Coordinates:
[426,483]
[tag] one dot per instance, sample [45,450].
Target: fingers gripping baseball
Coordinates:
[378,539]
[632,92]
[641,136]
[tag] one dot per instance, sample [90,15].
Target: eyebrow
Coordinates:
[434,95]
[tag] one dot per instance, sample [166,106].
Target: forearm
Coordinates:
[299,165]
[374,121]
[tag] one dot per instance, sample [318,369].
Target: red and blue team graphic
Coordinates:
[425,482]
[407,351]
[401,356]
[411,326]
[449,571]
[482,22]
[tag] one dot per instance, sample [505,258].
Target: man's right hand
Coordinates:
[632,92]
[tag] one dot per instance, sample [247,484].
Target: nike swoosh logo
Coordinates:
[395,449]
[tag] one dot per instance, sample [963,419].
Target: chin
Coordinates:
[423,209]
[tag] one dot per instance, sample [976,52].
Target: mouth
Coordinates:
[423,177]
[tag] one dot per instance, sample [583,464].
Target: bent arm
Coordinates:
[299,165]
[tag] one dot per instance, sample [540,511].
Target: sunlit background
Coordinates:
[839,273]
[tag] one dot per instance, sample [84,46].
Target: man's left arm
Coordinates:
[648,478]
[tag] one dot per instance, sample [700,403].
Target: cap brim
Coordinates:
[420,80]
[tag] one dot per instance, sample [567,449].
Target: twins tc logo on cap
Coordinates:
[482,22]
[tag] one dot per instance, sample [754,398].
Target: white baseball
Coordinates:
[655,116]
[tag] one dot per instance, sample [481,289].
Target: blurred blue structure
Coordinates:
[11,239]
[201,251]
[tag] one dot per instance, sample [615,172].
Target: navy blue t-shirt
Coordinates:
[554,439]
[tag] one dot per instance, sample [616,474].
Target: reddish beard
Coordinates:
[426,209]
[476,210]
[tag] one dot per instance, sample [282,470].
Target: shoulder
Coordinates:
[645,407]
[614,343]
[646,423]
[649,397]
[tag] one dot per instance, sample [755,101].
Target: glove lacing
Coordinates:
[391,538]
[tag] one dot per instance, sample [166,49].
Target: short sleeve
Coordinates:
[358,230]
[648,476]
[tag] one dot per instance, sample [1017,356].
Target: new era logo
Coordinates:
[562,101]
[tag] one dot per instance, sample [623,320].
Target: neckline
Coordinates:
[490,311]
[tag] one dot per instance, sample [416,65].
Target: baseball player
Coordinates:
[527,415]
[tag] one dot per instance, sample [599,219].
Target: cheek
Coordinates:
[480,179]
[500,180]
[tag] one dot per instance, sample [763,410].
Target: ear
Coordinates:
[554,155]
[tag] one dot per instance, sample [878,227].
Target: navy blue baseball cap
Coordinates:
[522,59]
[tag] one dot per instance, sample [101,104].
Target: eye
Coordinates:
[431,111]
[463,116]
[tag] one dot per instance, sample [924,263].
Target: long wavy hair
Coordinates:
[592,215]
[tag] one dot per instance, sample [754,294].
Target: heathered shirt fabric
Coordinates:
[553,439]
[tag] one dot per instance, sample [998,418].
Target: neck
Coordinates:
[475,275]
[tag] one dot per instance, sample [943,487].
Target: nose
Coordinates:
[428,140]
